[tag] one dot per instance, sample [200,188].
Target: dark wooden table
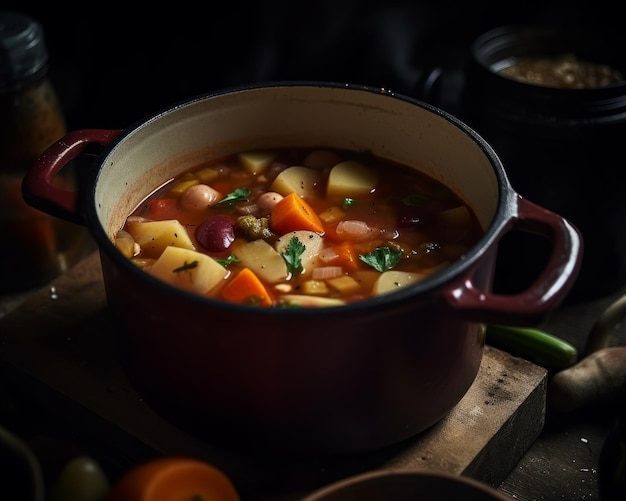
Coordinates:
[562,464]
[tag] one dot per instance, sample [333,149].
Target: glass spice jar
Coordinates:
[560,136]
[35,246]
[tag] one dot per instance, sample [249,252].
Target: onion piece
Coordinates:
[325,272]
[327,254]
[355,230]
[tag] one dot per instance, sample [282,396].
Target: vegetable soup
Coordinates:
[310,227]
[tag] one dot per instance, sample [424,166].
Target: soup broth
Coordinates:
[298,228]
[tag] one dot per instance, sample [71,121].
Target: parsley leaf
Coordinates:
[234,196]
[292,255]
[347,202]
[186,266]
[382,258]
[228,260]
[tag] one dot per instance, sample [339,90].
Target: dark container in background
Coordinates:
[36,247]
[563,148]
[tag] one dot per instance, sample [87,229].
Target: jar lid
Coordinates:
[23,50]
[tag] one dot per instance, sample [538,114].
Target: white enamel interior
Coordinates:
[280,116]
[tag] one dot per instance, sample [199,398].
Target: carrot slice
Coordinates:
[346,256]
[173,478]
[246,288]
[293,213]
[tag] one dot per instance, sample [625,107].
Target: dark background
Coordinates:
[115,64]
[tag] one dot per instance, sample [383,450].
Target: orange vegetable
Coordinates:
[166,208]
[293,213]
[346,256]
[246,288]
[173,478]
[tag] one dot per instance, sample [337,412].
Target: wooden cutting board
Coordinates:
[59,347]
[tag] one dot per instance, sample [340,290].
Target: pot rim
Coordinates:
[405,478]
[506,207]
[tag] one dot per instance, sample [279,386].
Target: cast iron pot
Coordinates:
[343,379]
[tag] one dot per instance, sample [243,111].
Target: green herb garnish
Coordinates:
[292,255]
[235,196]
[347,202]
[229,260]
[382,258]
[186,266]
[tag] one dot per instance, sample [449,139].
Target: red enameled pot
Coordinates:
[343,379]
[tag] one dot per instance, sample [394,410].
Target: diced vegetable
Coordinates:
[367,278]
[292,213]
[391,281]
[246,288]
[207,174]
[351,179]
[326,272]
[332,215]
[256,162]
[315,288]
[298,179]
[344,284]
[312,244]
[355,230]
[183,185]
[188,269]
[263,260]
[311,301]
[154,236]
[347,256]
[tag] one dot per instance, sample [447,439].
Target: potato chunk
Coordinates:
[298,179]
[188,269]
[154,236]
[311,301]
[312,245]
[256,162]
[351,179]
[344,285]
[391,281]
[263,260]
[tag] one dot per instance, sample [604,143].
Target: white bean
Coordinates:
[199,197]
[268,200]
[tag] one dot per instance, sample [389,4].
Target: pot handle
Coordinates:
[37,188]
[530,306]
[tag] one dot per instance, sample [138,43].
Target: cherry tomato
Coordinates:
[173,478]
